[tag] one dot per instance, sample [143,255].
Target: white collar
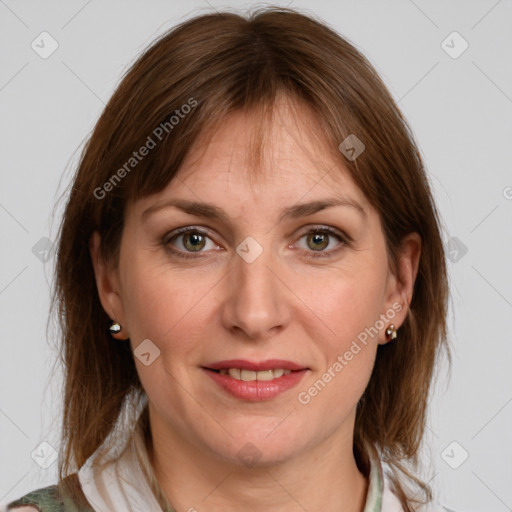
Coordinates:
[118,486]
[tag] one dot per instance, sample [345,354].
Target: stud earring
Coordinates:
[391,333]
[115,328]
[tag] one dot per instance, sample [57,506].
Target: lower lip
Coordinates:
[257,391]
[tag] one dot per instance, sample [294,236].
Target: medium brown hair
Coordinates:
[222,63]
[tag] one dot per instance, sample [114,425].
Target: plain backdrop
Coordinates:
[449,66]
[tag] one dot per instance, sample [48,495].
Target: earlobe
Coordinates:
[116,331]
[107,283]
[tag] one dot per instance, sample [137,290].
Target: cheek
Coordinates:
[165,306]
[347,353]
[346,302]
[349,305]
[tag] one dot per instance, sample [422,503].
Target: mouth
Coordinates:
[255,381]
[251,375]
[247,371]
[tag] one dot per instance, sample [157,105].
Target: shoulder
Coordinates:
[64,497]
[45,499]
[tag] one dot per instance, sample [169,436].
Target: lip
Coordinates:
[256,391]
[268,364]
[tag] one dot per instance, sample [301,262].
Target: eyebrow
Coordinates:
[210,211]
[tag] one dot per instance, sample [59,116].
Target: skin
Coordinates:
[286,304]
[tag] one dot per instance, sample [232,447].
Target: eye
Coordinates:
[184,242]
[320,238]
[189,240]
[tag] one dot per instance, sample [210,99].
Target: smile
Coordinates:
[250,375]
[255,381]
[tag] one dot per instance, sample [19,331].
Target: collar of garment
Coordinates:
[124,482]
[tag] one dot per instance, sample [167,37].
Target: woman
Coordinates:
[250,280]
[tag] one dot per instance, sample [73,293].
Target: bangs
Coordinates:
[195,136]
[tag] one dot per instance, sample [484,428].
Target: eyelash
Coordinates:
[342,238]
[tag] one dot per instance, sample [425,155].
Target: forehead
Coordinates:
[282,156]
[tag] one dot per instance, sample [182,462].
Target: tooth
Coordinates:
[265,375]
[234,373]
[247,375]
[250,375]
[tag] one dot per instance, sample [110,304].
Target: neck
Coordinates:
[325,478]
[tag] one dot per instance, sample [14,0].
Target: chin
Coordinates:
[263,447]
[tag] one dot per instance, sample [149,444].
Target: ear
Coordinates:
[107,282]
[400,287]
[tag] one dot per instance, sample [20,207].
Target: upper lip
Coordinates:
[269,364]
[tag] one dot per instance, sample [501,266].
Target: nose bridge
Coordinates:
[256,303]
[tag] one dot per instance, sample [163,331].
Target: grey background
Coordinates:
[460,110]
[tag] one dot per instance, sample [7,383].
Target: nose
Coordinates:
[257,303]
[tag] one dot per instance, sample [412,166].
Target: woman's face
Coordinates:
[286,272]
